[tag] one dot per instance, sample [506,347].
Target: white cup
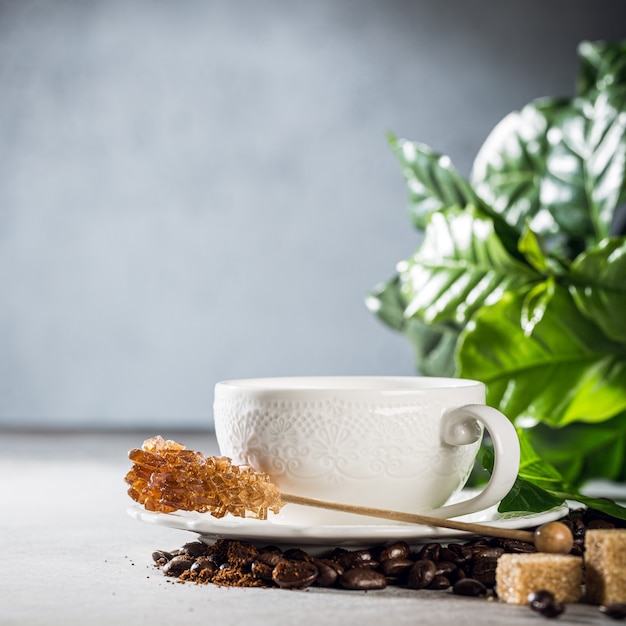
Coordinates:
[400,443]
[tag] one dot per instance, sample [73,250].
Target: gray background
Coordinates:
[198,190]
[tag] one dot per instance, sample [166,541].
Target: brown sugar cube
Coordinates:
[605,566]
[518,575]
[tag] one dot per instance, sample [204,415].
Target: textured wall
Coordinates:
[199,190]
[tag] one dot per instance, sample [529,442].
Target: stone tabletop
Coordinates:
[70,554]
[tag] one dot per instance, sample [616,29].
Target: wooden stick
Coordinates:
[412,518]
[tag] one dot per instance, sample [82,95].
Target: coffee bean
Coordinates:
[262,570]
[178,565]
[429,552]
[421,574]
[543,602]
[194,548]
[294,574]
[614,610]
[356,558]
[452,556]
[363,578]
[439,582]
[296,554]
[336,554]
[396,568]
[603,524]
[270,558]
[328,572]
[460,550]
[469,587]
[445,568]
[519,547]
[489,552]
[484,570]
[398,550]
[161,557]
[271,548]
[203,563]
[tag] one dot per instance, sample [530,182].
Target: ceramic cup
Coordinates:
[400,443]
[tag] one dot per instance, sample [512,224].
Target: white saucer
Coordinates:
[281,533]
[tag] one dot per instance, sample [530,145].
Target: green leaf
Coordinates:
[603,154]
[432,182]
[460,266]
[433,347]
[603,66]
[528,498]
[539,486]
[599,286]
[561,165]
[583,450]
[610,507]
[531,245]
[535,304]
[526,172]
[386,302]
[524,496]
[566,371]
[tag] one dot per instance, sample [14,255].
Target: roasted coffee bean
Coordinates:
[161,557]
[296,554]
[178,565]
[489,552]
[484,570]
[445,568]
[398,550]
[202,563]
[516,546]
[429,552]
[396,568]
[270,558]
[357,558]
[452,556]
[363,578]
[459,575]
[614,610]
[440,582]
[294,574]
[262,570]
[458,549]
[597,524]
[336,554]
[421,574]
[328,572]
[577,550]
[194,548]
[544,603]
[469,587]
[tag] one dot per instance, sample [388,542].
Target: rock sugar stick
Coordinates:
[166,477]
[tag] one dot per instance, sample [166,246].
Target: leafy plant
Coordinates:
[520,277]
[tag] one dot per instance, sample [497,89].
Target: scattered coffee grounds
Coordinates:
[463,568]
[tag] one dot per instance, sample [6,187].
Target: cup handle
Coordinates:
[460,427]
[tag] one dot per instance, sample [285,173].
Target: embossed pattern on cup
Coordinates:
[363,440]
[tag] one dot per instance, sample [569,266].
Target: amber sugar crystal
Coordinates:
[165,477]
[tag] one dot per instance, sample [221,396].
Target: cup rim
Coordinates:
[384,385]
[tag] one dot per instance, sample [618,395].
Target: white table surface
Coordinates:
[70,554]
